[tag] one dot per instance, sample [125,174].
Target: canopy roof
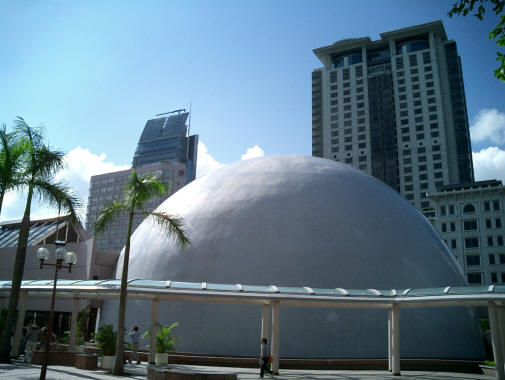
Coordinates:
[259,294]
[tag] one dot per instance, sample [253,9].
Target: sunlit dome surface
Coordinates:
[301,221]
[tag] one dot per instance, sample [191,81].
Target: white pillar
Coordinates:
[153,331]
[97,322]
[19,324]
[390,340]
[495,337]
[501,322]
[73,324]
[395,324]
[275,336]
[265,320]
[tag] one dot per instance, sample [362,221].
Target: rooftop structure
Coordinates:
[394,108]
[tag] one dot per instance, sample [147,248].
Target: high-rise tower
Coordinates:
[395,108]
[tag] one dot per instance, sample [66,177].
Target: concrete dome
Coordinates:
[301,221]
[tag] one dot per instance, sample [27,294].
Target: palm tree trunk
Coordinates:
[119,363]
[2,193]
[17,276]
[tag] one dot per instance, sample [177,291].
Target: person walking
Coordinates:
[134,335]
[265,358]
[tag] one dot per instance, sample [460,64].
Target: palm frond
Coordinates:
[47,162]
[173,226]
[23,130]
[108,215]
[140,189]
[12,151]
[58,195]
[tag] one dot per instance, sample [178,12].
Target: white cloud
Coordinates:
[81,164]
[253,152]
[205,163]
[489,163]
[489,125]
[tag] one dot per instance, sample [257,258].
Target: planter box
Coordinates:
[488,369]
[161,358]
[108,362]
[86,361]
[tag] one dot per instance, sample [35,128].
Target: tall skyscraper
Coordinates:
[166,151]
[165,139]
[395,108]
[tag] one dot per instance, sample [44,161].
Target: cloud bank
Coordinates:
[489,125]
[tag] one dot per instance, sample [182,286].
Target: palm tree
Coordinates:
[137,192]
[11,155]
[39,167]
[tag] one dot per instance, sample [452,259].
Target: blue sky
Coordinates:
[93,72]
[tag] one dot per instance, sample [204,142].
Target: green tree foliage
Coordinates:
[136,193]
[11,160]
[165,340]
[463,7]
[106,339]
[36,179]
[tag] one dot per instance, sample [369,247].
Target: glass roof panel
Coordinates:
[291,289]
[356,292]
[222,287]
[67,282]
[326,292]
[149,283]
[5,283]
[110,282]
[469,289]
[426,292]
[257,289]
[186,285]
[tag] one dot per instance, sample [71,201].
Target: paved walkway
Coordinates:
[22,371]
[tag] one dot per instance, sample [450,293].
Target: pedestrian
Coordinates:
[31,344]
[265,358]
[134,335]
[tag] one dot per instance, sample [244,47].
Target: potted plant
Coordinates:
[165,342]
[82,318]
[106,342]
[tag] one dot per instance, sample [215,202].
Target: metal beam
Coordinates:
[395,324]
[390,340]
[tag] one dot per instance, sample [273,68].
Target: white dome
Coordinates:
[301,221]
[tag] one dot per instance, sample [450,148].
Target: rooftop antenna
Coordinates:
[189,128]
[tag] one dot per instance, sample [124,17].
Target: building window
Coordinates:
[472,260]
[486,206]
[498,222]
[496,205]
[444,227]
[425,205]
[469,209]
[471,242]
[494,277]
[407,178]
[348,160]
[453,226]
[502,258]
[426,57]
[499,241]
[488,224]
[474,278]
[489,241]
[492,259]
[453,243]
[413,60]
[346,74]
[443,210]
[470,225]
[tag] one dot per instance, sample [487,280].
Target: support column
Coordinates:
[501,322]
[390,340]
[395,348]
[495,337]
[97,323]
[275,336]
[265,320]
[19,324]
[153,331]
[73,324]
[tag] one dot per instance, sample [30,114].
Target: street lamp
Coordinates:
[70,259]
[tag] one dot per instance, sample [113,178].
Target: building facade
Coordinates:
[394,108]
[470,219]
[106,188]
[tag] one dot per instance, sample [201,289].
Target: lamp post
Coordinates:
[70,258]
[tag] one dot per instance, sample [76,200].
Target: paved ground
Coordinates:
[22,371]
